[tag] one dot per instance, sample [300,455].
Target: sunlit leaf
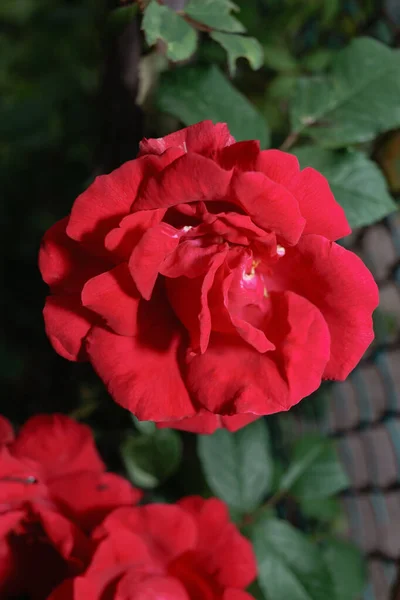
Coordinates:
[215,14]
[162,23]
[238,46]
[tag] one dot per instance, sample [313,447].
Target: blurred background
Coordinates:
[80,85]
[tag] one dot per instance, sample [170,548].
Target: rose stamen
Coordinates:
[249,276]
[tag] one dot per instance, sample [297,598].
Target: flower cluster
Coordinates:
[187,551]
[54,490]
[71,531]
[212,265]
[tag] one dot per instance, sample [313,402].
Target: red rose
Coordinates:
[53,491]
[202,282]
[176,552]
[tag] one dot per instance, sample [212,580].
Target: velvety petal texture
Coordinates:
[203,282]
[186,551]
[53,492]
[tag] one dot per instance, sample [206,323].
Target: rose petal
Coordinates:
[189,299]
[190,259]
[114,297]
[67,323]
[242,155]
[203,422]
[64,264]
[190,178]
[102,206]
[233,594]
[122,240]
[235,422]
[128,366]
[264,383]
[21,481]
[324,216]
[66,538]
[59,444]
[269,204]
[203,138]
[221,550]
[239,299]
[151,588]
[167,530]
[206,422]
[6,431]
[120,548]
[340,285]
[279,166]
[88,497]
[79,588]
[149,254]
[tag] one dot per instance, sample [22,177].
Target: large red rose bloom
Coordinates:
[188,551]
[203,283]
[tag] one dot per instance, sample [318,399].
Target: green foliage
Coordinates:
[152,457]
[326,510]
[358,100]
[238,46]
[160,22]
[192,94]
[278,57]
[346,567]
[289,565]
[238,467]
[356,182]
[178,30]
[304,459]
[323,476]
[316,81]
[216,14]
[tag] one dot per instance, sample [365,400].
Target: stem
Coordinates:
[193,22]
[83,412]
[289,141]
[271,503]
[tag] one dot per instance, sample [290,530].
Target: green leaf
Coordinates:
[193,94]
[324,475]
[146,427]
[238,467]
[318,60]
[347,569]
[359,100]
[356,182]
[151,459]
[325,510]
[255,591]
[214,14]
[289,565]
[279,58]
[298,467]
[238,46]
[160,22]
